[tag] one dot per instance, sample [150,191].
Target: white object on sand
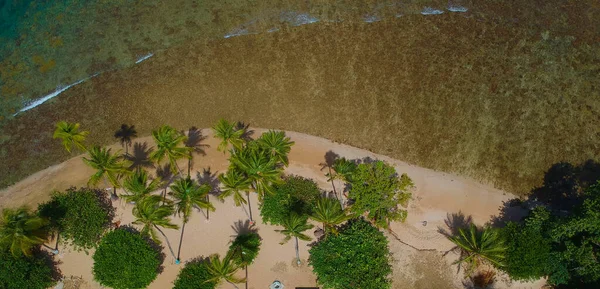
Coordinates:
[144,57]
[431,11]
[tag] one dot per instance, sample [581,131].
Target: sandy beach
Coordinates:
[436,195]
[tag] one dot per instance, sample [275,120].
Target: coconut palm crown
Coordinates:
[188,194]
[329,212]
[21,231]
[138,186]
[479,246]
[234,184]
[259,167]
[294,227]
[229,135]
[70,135]
[107,165]
[170,145]
[276,144]
[224,269]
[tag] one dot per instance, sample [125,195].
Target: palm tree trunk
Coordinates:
[236,287]
[324,230]
[297,252]
[249,206]
[166,239]
[332,184]
[57,238]
[246,268]
[189,165]
[207,209]
[180,240]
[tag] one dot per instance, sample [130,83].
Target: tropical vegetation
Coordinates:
[357,257]
[70,135]
[124,259]
[152,215]
[195,275]
[21,231]
[295,195]
[223,270]
[138,186]
[34,272]
[479,246]
[79,216]
[169,146]
[294,226]
[329,212]
[108,166]
[377,191]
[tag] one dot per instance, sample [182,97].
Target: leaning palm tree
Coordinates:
[329,212]
[234,184]
[188,194]
[277,144]
[223,270]
[169,143]
[294,226]
[137,186]
[70,135]
[108,166]
[259,168]
[125,134]
[194,143]
[342,170]
[149,213]
[21,231]
[229,135]
[479,246]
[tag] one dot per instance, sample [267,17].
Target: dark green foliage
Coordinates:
[528,246]
[377,190]
[296,194]
[194,275]
[358,258]
[80,216]
[244,248]
[125,260]
[34,272]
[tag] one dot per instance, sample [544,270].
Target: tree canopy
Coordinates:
[295,195]
[358,257]
[244,248]
[35,272]
[377,191]
[194,276]
[81,216]
[125,260]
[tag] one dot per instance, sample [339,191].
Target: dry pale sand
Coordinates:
[436,195]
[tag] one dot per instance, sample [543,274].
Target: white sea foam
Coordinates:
[274,29]
[142,58]
[431,11]
[297,19]
[455,8]
[371,18]
[59,90]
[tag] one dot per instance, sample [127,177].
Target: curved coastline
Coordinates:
[436,195]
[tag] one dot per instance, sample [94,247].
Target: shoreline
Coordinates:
[436,195]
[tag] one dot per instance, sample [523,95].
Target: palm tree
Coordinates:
[21,231]
[479,246]
[294,226]
[107,166]
[149,213]
[277,144]
[229,134]
[194,143]
[70,135]
[124,134]
[342,170]
[234,183]
[223,270]
[165,174]
[244,250]
[329,212]
[138,186]
[188,194]
[168,141]
[259,168]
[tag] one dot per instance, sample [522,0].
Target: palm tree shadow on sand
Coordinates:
[248,133]
[209,178]
[195,141]
[242,227]
[140,157]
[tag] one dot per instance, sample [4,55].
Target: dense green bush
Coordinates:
[34,272]
[358,257]
[193,276]
[244,248]
[295,194]
[528,247]
[80,216]
[125,260]
[377,190]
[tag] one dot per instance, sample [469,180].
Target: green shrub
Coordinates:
[296,194]
[80,216]
[34,272]
[193,276]
[244,248]
[528,247]
[358,257]
[377,190]
[125,260]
